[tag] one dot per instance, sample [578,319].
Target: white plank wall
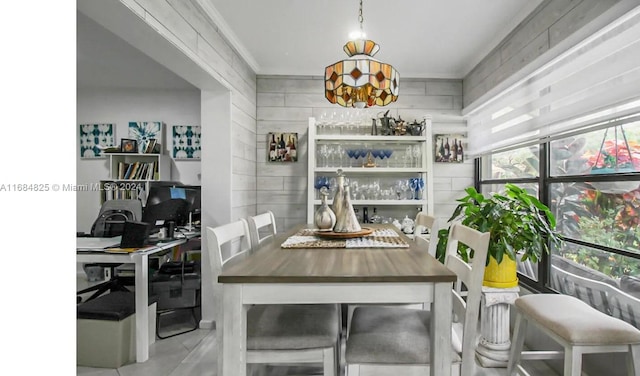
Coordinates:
[286,102]
[188,26]
[551,23]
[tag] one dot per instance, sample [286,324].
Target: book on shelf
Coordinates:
[142,171]
[152,171]
[128,171]
[121,170]
[134,170]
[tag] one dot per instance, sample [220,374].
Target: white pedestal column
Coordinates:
[495,338]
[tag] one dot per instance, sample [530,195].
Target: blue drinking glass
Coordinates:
[387,153]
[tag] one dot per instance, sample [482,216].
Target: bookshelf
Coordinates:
[130,174]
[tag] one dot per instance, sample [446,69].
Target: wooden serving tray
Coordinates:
[344,235]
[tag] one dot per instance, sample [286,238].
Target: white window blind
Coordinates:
[595,81]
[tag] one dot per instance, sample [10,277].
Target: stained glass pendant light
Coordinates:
[360,80]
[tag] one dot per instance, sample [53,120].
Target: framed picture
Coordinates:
[282,147]
[449,148]
[186,142]
[144,131]
[94,138]
[128,145]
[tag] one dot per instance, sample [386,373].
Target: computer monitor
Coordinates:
[193,196]
[166,203]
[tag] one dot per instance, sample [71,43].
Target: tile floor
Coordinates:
[195,354]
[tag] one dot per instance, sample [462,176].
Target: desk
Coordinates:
[141,261]
[273,275]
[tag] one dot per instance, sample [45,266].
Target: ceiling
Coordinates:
[106,61]
[420,38]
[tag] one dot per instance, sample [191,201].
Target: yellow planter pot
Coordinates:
[503,275]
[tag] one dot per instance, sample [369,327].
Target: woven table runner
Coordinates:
[383,238]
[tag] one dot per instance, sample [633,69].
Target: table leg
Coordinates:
[142,307]
[234,338]
[441,330]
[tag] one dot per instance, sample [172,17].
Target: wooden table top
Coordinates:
[273,264]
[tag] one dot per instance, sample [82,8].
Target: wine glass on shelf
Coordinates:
[387,154]
[419,189]
[360,153]
[376,154]
[324,152]
[322,123]
[339,152]
[408,157]
[351,153]
[321,181]
[413,185]
[417,153]
[353,188]
[332,155]
[333,122]
[399,188]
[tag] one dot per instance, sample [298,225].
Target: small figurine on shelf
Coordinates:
[415,128]
[387,125]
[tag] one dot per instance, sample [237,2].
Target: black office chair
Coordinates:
[110,222]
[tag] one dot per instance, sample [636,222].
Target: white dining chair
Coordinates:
[397,340]
[262,228]
[276,334]
[431,223]
[423,221]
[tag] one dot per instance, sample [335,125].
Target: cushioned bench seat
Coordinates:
[578,327]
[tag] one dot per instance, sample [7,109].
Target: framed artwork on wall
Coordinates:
[94,138]
[186,142]
[282,147]
[449,148]
[144,131]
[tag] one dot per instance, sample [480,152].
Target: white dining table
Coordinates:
[276,275]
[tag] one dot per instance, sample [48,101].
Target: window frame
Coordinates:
[544,181]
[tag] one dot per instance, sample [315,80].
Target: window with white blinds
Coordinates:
[592,84]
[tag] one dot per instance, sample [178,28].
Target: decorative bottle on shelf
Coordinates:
[460,152]
[324,217]
[347,220]
[365,215]
[338,197]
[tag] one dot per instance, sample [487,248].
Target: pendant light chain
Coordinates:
[361,18]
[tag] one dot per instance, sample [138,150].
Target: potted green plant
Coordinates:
[518,222]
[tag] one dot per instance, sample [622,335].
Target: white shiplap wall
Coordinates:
[285,104]
[542,33]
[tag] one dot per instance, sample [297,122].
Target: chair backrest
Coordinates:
[431,223]
[471,274]
[600,295]
[226,244]
[590,291]
[625,307]
[112,216]
[262,227]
